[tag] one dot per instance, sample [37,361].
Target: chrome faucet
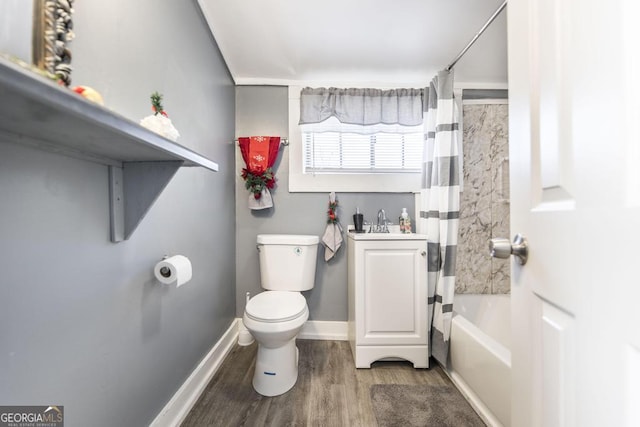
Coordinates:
[382,217]
[382,226]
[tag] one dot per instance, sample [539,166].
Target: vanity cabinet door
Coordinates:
[391,293]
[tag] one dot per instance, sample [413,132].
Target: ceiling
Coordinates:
[379,43]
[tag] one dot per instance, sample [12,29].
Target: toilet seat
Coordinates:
[276,306]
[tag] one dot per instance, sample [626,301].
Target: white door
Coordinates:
[574,111]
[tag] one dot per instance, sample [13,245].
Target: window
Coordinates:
[340,152]
[323,158]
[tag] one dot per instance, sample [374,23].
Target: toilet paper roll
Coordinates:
[175,269]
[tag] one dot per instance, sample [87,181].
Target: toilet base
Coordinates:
[276,369]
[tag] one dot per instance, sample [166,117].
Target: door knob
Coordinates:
[502,248]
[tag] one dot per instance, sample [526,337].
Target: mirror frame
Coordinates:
[52,32]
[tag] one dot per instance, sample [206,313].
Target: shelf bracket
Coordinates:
[133,188]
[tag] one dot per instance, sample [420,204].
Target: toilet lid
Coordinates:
[276,306]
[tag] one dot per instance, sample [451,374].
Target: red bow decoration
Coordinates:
[333,206]
[259,154]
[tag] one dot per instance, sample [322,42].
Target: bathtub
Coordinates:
[480,359]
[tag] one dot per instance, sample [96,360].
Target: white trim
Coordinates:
[324,330]
[177,409]
[259,81]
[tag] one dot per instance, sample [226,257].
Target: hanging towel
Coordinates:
[265,200]
[259,154]
[332,238]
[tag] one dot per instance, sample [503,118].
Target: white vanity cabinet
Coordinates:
[387,282]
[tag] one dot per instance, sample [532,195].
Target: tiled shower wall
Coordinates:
[484,203]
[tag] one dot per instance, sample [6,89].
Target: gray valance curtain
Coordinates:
[363,107]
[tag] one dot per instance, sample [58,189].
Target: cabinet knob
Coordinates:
[423,253]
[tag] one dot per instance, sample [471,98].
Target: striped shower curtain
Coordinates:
[440,206]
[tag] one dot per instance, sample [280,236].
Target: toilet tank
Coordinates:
[287,261]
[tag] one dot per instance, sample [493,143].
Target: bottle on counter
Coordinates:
[358,221]
[405,222]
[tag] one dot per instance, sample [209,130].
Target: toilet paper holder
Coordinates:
[165,271]
[173,270]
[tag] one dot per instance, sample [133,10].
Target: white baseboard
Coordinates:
[324,330]
[176,410]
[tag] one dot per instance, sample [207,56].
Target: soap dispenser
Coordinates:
[358,221]
[405,222]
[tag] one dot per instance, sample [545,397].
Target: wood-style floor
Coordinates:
[330,391]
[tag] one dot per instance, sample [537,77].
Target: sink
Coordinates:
[385,236]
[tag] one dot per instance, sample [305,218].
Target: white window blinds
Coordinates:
[344,152]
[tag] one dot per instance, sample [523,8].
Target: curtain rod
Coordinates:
[478,34]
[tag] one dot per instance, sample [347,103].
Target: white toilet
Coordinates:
[274,317]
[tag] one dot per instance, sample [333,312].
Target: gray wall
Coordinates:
[83,323]
[15,28]
[263,110]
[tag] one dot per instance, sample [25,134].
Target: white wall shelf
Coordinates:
[37,112]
